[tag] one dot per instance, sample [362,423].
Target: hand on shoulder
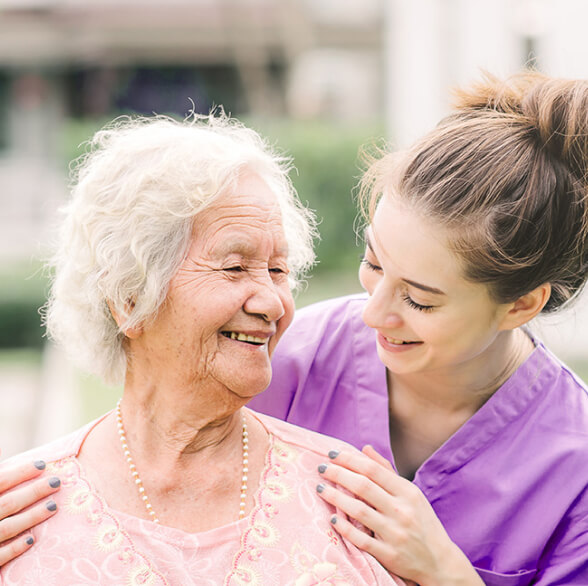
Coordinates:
[404,533]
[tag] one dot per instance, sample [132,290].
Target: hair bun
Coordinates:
[556,109]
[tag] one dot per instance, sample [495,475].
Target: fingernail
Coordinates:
[320,488]
[333,454]
[54,482]
[51,506]
[30,540]
[322,468]
[333,520]
[40,465]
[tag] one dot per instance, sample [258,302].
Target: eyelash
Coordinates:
[369,265]
[417,306]
[237,269]
[406,298]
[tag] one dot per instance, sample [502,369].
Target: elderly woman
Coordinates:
[174,274]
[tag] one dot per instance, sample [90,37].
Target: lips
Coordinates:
[396,345]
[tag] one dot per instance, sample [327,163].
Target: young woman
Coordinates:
[473,232]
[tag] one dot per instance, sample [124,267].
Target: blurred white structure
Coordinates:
[434,45]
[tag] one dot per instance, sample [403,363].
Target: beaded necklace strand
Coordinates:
[123,440]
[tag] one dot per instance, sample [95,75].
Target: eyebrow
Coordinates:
[414,284]
[243,247]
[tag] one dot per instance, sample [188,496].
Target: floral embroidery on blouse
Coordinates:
[109,537]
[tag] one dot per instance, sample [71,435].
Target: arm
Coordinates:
[408,539]
[23,505]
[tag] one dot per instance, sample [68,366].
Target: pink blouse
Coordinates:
[287,538]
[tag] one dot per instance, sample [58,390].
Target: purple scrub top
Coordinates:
[510,486]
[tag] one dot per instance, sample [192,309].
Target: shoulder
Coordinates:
[310,442]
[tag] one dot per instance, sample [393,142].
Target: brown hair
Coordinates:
[506,173]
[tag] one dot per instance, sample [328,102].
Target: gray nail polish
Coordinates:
[320,488]
[333,520]
[51,506]
[30,540]
[322,468]
[40,465]
[54,482]
[333,454]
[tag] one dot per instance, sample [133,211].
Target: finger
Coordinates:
[12,526]
[353,507]
[11,477]
[361,486]
[370,452]
[15,548]
[18,499]
[359,538]
[366,466]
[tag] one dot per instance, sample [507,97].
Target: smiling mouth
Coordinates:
[254,340]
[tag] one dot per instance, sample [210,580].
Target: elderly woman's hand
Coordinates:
[406,536]
[23,507]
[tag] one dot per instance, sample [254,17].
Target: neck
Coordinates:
[162,428]
[426,409]
[167,416]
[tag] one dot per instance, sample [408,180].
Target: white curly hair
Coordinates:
[136,196]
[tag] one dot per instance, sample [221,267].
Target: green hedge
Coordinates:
[327,161]
[22,293]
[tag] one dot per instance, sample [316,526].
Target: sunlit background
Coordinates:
[319,77]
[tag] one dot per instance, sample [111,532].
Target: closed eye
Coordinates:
[371,266]
[417,306]
[235,269]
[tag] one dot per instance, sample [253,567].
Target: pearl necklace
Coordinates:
[123,440]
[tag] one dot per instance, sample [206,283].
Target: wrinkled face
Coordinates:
[230,301]
[427,316]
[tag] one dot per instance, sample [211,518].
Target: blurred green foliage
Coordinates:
[328,165]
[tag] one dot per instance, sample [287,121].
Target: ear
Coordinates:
[525,308]
[131,333]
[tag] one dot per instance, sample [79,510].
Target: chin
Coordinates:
[255,387]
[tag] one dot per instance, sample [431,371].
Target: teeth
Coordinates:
[246,338]
[395,341]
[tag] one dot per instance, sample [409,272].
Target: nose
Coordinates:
[380,310]
[265,299]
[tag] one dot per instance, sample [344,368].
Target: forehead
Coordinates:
[413,245]
[242,220]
